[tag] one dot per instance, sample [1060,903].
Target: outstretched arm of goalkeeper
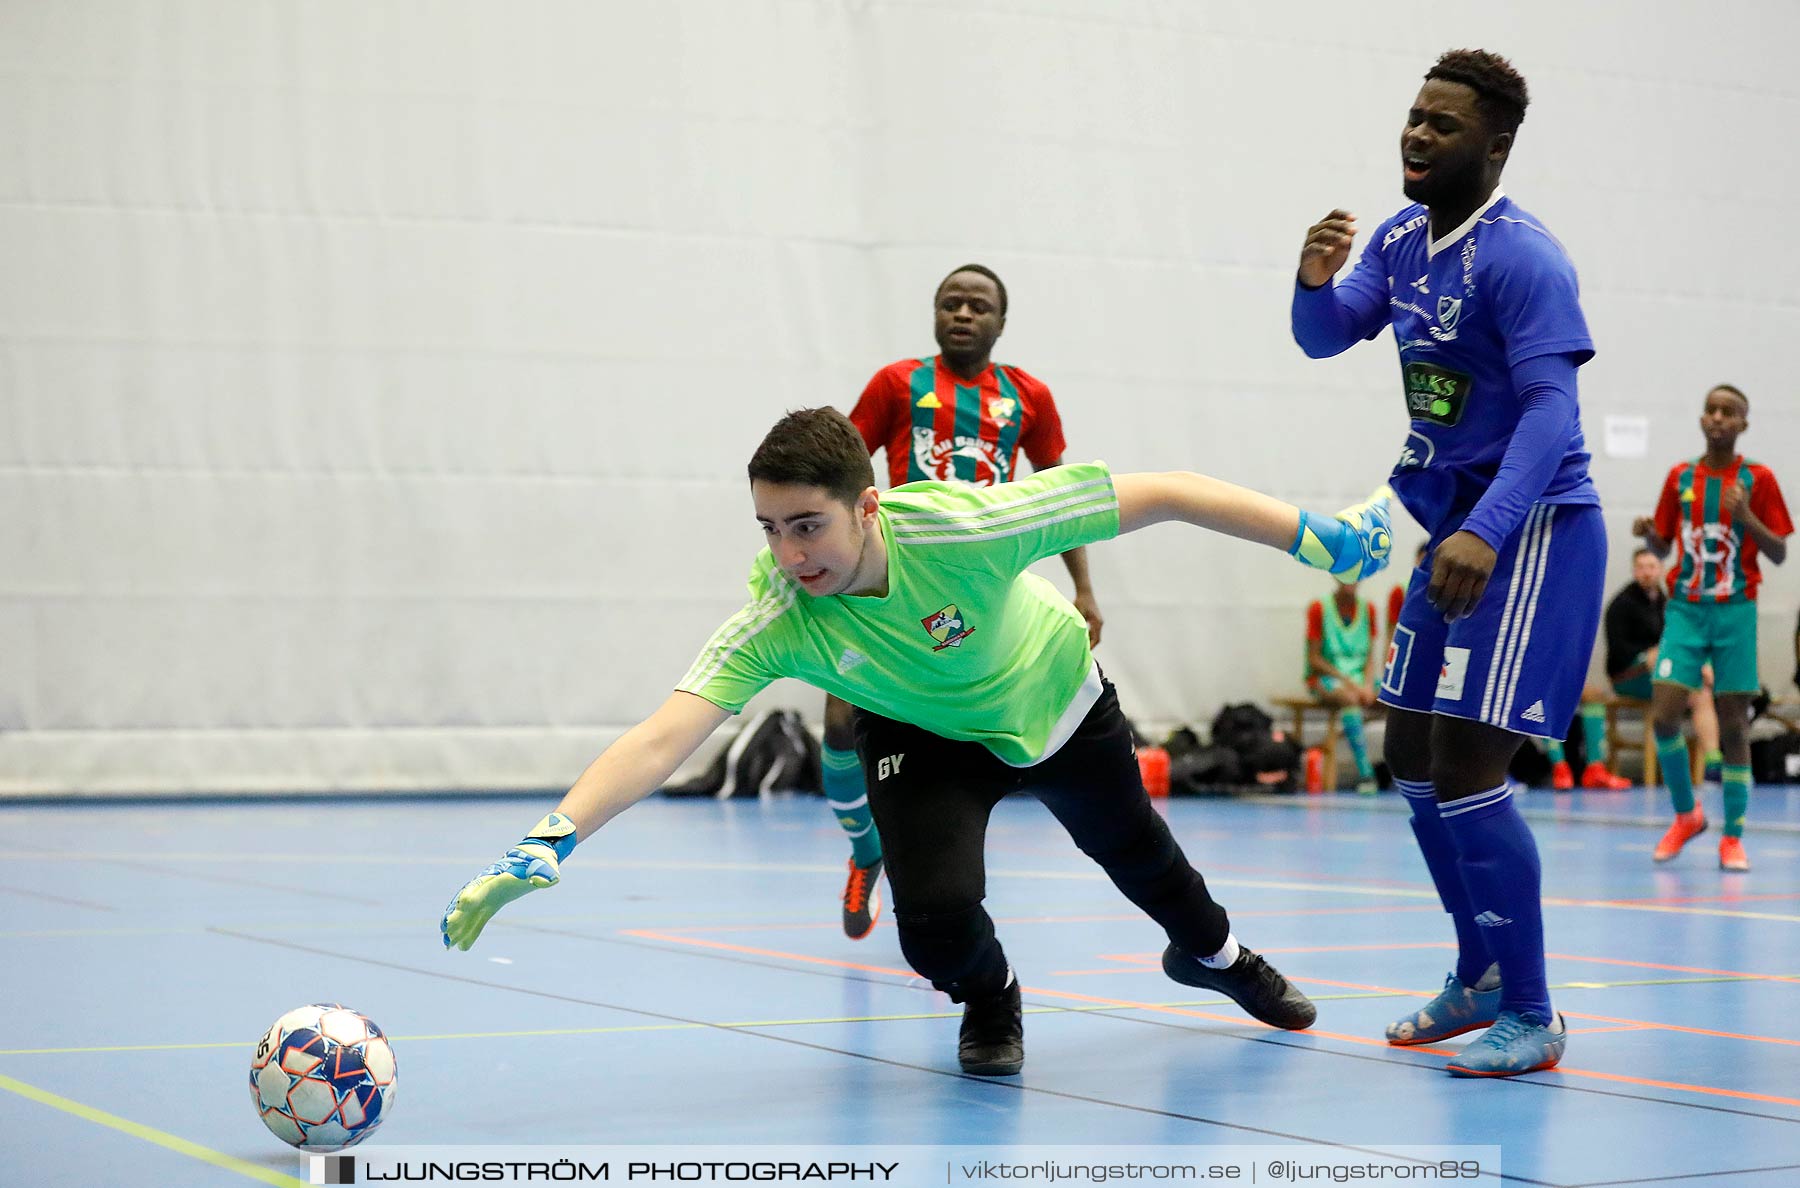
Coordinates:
[636,765]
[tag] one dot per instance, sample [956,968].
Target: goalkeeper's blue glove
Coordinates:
[527,867]
[1352,545]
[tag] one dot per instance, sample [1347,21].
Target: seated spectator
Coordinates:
[1634,627]
[1340,635]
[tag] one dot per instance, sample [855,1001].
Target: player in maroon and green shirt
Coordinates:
[1720,511]
[956,416]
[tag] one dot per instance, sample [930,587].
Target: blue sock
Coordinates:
[1472,954]
[1555,748]
[848,797]
[1499,863]
[1325,542]
[1352,720]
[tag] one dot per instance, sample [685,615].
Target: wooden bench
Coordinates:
[1621,734]
[1299,707]
[1642,739]
[1785,710]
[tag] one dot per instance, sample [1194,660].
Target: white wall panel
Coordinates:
[376,377]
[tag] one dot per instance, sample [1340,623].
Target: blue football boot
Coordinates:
[1518,1042]
[1456,1009]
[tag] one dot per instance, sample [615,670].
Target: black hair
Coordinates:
[1734,390]
[979,270]
[1642,549]
[1500,93]
[815,447]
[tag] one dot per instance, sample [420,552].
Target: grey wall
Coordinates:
[376,378]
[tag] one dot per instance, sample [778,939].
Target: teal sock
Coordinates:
[1593,729]
[848,797]
[1556,751]
[1672,757]
[1352,720]
[1737,798]
[1325,542]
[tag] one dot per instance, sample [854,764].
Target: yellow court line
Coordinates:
[150,1134]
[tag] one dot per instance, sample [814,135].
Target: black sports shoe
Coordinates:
[1250,982]
[862,899]
[992,1041]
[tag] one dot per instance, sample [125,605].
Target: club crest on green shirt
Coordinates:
[946,626]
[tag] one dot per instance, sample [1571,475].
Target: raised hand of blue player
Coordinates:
[1327,247]
[530,866]
[1460,569]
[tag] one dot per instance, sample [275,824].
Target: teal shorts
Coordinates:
[1638,686]
[1319,683]
[1720,633]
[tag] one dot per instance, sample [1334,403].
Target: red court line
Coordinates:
[1736,1035]
[651,934]
[1158,1008]
[1723,973]
[1628,1023]
[1313,876]
[1671,900]
[1337,911]
[1711,1090]
[1693,969]
[1363,986]
[1152,962]
[1605,1030]
[1363,948]
[813,925]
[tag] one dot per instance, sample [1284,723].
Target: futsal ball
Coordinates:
[322,1078]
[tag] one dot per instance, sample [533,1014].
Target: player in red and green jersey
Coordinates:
[1339,640]
[1720,511]
[959,416]
[956,416]
[972,678]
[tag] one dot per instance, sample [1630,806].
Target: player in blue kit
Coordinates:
[1499,620]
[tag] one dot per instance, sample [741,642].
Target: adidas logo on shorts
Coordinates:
[1534,713]
[1491,919]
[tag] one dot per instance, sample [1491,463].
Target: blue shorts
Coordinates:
[1520,661]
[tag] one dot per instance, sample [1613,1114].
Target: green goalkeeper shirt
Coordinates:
[965,643]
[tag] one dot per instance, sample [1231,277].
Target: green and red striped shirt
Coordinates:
[938,427]
[1715,556]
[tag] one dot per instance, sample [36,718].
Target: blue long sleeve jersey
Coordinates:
[1490,330]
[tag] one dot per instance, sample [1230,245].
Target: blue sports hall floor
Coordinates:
[688,984]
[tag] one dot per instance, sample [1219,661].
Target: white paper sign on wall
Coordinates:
[1627,437]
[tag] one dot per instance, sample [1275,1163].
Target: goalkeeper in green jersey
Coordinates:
[972,678]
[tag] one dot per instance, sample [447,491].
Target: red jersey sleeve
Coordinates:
[1668,508]
[1766,503]
[1041,434]
[1315,623]
[873,415]
[1396,600]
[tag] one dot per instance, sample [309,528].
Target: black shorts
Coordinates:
[931,797]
